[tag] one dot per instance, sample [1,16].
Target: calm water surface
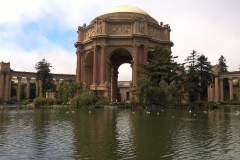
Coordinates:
[67,133]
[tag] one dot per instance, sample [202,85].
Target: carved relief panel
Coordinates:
[121,29]
[89,33]
[155,33]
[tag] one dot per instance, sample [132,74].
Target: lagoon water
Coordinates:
[71,133]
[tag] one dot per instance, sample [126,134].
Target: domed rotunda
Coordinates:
[121,34]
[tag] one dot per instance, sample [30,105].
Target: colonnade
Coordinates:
[216,91]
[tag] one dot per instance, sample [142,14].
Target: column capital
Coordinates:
[79,50]
[95,47]
[136,46]
[28,78]
[19,78]
[230,78]
[104,46]
[220,78]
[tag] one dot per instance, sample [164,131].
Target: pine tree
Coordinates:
[161,69]
[222,64]
[203,68]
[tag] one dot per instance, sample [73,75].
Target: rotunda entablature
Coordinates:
[124,22]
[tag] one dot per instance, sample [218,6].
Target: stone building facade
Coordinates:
[122,34]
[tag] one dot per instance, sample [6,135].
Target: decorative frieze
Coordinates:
[155,33]
[121,29]
[89,33]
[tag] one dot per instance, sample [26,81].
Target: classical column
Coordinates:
[78,74]
[230,80]
[221,89]
[10,86]
[135,63]
[6,87]
[211,93]
[112,86]
[145,54]
[19,88]
[57,84]
[28,87]
[37,87]
[208,92]
[103,66]
[216,89]
[1,85]
[95,66]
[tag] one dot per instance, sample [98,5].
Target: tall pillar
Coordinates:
[1,85]
[112,86]
[10,86]
[211,93]
[145,50]
[221,90]
[103,66]
[57,84]
[208,92]
[135,63]
[216,89]
[95,67]
[6,87]
[230,80]
[19,88]
[28,87]
[37,88]
[78,74]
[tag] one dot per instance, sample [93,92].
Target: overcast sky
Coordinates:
[34,29]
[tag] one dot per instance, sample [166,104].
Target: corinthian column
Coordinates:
[19,88]
[95,66]
[216,89]
[78,70]
[103,66]
[221,89]
[6,87]
[135,63]
[230,80]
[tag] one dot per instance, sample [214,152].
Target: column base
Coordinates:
[93,87]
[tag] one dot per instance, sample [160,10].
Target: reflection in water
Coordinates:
[43,133]
[124,135]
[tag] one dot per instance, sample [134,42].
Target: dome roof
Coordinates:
[124,8]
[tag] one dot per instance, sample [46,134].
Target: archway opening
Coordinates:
[121,75]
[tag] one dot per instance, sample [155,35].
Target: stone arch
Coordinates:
[117,57]
[88,70]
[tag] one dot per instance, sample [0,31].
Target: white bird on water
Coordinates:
[190,111]
[157,113]
[67,112]
[148,112]
[89,111]
[133,112]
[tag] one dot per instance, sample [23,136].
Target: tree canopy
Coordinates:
[44,75]
[158,81]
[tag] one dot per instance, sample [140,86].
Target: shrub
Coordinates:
[101,104]
[84,99]
[11,101]
[200,103]
[26,101]
[43,101]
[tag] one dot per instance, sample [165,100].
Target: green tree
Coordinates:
[222,64]
[44,75]
[156,76]
[191,80]
[224,68]
[67,90]
[203,68]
